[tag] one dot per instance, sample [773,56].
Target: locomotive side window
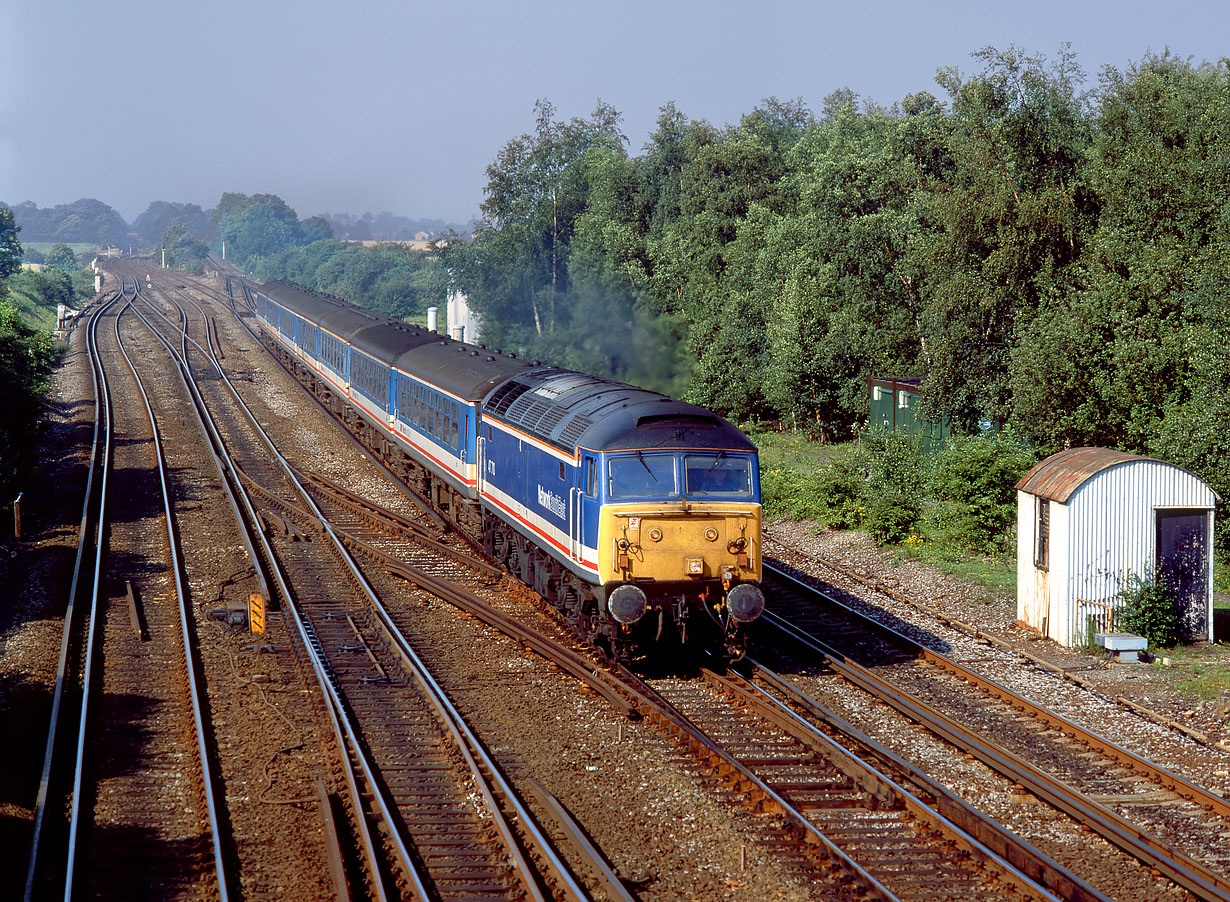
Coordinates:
[717,476]
[641,476]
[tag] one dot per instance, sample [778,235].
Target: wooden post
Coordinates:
[17,516]
[133,615]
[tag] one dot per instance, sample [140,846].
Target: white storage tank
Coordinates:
[1088,519]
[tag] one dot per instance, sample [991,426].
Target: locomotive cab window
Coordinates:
[642,476]
[717,476]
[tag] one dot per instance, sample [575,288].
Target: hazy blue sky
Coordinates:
[397,105]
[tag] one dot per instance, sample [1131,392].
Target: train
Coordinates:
[637,516]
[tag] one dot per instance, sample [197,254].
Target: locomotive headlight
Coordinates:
[711,534]
[745,602]
[655,534]
[627,604]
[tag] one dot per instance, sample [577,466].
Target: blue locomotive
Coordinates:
[636,515]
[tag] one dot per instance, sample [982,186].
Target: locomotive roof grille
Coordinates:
[505,395]
[576,427]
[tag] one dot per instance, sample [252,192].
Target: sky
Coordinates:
[399,106]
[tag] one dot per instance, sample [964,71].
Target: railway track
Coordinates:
[365,652]
[1165,822]
[874,834]
[142,796]
[445,810]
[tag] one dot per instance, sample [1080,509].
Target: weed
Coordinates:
[1149,609]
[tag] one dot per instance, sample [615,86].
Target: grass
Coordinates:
[1201,671]
[791,450]
[31,306]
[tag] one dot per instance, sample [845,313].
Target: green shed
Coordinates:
[893,406]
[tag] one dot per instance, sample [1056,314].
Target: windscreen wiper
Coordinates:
[641,458]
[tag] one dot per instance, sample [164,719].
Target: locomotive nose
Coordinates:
[745,602]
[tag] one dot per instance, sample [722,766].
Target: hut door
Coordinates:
[1183,561]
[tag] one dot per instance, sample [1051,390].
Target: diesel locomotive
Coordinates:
[636,515]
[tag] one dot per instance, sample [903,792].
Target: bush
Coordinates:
[1149,609]
[973,484]
[838,491]
[784,493]
[893,491]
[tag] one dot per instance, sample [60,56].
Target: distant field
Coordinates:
[79,247]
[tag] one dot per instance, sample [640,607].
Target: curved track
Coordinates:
[141,796]
[396,724]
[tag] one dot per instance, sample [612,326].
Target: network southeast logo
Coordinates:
[552,502]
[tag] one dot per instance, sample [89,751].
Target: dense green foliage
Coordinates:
[86,220]
[1051,258]
[963,498]
[60,256]
[973,484]
[162,216]
[26,356]
[254,227]
[37,295]
[1149,610]
[183,250]
[10,247]
[390,278]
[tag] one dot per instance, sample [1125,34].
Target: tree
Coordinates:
[1124,352]
[183,249]
[160,215]
[316,228]
[26,358]
[61,256]
[258,226]
[84,220]
[10,247]
[515,272]
[1011,217]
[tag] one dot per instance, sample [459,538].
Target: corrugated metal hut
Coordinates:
[1089,518]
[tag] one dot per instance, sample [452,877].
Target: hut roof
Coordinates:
[1059,475]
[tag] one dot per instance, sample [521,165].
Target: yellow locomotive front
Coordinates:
[679,534]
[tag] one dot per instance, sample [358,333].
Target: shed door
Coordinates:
[1183,561]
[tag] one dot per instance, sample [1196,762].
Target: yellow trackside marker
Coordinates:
[256,612]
